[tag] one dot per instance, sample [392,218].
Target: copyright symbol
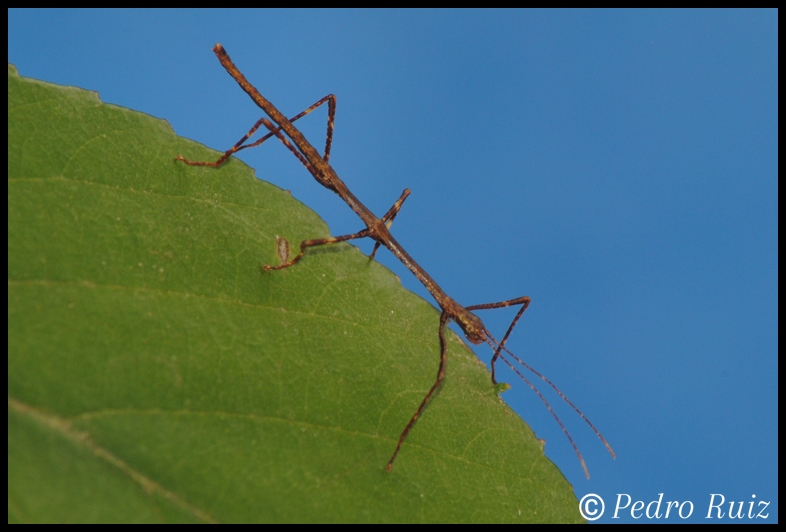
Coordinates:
[588,506]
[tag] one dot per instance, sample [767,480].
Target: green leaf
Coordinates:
[155,374]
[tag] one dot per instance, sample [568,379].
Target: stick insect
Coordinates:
[378,229]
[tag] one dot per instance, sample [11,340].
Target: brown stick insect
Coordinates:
[378,229]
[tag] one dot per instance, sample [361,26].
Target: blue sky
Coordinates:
[619,167]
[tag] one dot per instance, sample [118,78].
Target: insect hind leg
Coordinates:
[240,145]
[524,301]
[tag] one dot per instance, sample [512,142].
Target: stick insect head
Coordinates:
[472,326]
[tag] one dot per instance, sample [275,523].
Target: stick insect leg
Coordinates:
[524,302]
[239,145]
[389,217]
[325,182]
[443,357]
[304,245]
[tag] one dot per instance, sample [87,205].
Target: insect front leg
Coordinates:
[443,358]
[524,302]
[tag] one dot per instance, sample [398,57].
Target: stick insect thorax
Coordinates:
[377,229]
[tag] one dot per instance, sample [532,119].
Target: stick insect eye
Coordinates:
[473,328]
